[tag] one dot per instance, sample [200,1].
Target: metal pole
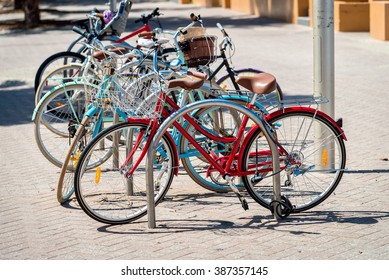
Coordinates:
[324,75]
[112,5]
[323,53]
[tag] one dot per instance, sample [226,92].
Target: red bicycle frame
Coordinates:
[144,28]
[212,158]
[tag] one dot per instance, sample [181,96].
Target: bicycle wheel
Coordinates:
[53,62]
[65,186]
[114,192]
[312,164]
[56,119]
[196,166]
[221,122]
[63,74]
[226,83]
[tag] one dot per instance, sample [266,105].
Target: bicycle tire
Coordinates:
[74,43]
[310,181]
[51,127]
[55,60]
[128,195]
[82,137]
[62,74]
[65,187]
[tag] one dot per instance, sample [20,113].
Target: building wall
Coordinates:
[349,15]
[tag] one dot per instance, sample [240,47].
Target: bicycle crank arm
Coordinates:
[242,200]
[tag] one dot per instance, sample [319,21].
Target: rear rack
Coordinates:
[271,101]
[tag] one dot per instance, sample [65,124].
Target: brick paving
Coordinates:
[194,223]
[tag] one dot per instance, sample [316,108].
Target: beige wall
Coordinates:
[276,9]
[349,15]
[379,20]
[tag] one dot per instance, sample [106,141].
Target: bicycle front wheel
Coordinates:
[63,74]
[312,158]
[54,61]
[114,191]
[82,137]
[56,120]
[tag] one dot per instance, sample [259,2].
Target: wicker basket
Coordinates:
[197,47]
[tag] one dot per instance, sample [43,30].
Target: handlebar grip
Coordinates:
[222,29]
[193,17]
[156,12]
[99,15]
[80,31]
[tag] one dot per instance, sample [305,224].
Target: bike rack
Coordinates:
[187,109]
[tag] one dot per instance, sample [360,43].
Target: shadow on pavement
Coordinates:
[257,223]
[16,106]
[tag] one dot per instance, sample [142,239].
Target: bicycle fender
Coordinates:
[291,109]
[169,139]
[310,110]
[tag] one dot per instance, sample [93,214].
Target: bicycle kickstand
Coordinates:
[242,200]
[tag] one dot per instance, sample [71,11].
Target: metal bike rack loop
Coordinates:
[187,109]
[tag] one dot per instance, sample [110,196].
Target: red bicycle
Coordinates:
[237,145]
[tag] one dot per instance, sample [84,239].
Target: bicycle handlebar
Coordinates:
[226,40]
[83,33]
[144,19]
[222,29]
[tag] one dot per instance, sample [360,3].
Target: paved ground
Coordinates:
[194,223]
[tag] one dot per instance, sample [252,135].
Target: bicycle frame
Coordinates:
[144,28]
[211,157]
[230,71]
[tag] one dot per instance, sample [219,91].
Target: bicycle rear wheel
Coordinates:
[312,165]
[110,194]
